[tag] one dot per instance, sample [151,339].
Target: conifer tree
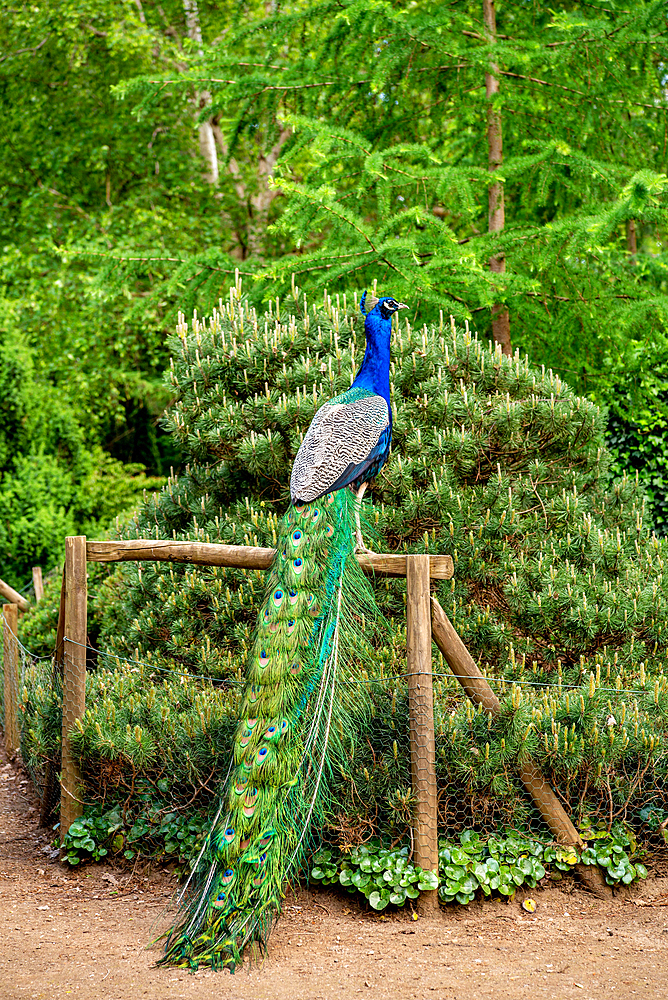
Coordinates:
[386,174]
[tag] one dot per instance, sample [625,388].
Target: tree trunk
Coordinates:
[259,201]
[207,142]
[631,239]
[496,218]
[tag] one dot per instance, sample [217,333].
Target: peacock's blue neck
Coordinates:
[374,373]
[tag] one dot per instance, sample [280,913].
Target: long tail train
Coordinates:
[294,716]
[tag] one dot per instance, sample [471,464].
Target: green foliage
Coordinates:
[637,441]
[384,174]
[87,835]
[155,833]
[51,483]
[558,591]
[378,113]
[610,848]
[77,167]
[503,864]
[383,876]
[472,865]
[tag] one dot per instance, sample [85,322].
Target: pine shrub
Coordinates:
[558,588]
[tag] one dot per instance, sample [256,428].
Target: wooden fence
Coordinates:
[426,621]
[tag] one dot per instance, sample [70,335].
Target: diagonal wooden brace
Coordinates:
[473,681]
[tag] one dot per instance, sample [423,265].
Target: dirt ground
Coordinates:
[83,933]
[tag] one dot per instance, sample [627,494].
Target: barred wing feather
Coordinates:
[341,441]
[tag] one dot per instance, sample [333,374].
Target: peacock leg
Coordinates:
[360,546]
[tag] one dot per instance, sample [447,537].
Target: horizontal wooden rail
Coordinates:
[13,596]
[243,556]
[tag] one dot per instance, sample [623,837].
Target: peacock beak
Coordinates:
[402,305]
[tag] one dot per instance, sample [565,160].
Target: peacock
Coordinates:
[295,714]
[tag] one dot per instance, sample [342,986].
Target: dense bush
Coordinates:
[51,483]
[558,587]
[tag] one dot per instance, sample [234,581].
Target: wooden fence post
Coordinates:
[10,661]
[421,720]
[38,582]
[74,675]
[50,770]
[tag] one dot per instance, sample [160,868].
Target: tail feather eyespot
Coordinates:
[297,538]
[277,598]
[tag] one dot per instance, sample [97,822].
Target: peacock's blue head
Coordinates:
[385,306]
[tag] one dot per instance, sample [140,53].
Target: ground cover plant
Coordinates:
[558,587]
[469,865]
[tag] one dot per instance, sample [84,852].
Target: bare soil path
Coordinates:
[83,934]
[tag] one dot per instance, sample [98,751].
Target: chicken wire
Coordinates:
[448,795]
[31,684]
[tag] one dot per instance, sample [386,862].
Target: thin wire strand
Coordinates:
[560,686]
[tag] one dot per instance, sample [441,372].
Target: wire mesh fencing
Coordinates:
[592,748]
[31,697]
